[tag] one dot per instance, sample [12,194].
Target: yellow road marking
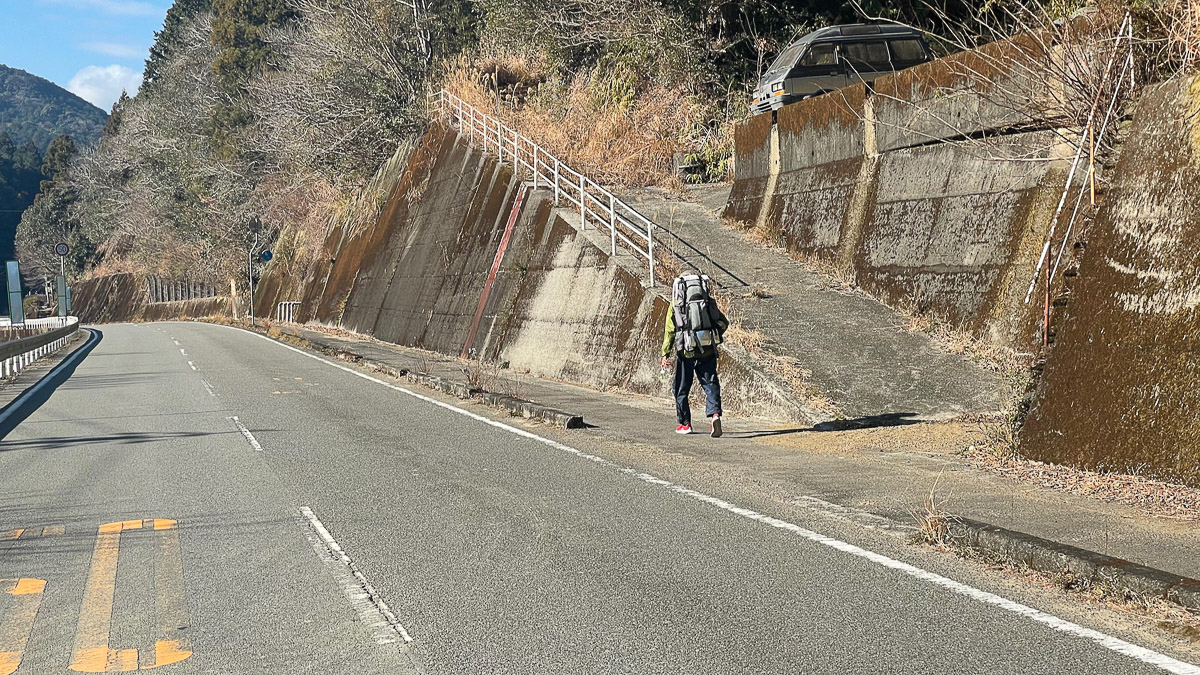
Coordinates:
[16,628]
[92,651]
[173,645]
[53,530]
[11,534]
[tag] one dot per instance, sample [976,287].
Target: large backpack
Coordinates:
[695,314]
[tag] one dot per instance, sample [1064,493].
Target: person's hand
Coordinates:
[666,362]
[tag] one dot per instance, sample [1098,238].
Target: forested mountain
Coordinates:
[34,109]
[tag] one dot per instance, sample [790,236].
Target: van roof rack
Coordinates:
[856,29]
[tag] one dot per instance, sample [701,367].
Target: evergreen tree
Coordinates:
[167,40]
[113,126]
[60,153]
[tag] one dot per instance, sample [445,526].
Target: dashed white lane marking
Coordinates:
[208,387]
[246,432]
[175,341]
[1117,645]
[372,610]
[192,365]
[181,351]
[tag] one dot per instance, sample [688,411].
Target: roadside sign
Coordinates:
[61,248]
[266,256]
[16,310]
[61,296]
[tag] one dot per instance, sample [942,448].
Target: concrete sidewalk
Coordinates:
[887,470]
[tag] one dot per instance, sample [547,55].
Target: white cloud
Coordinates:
[102,85]
[120,7]
[113,49]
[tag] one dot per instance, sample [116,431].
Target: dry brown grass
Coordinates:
[616,131]
[780,366]
[933,521]
[998,454]
[1182,27]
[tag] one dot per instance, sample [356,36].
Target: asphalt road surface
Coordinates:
[199,499]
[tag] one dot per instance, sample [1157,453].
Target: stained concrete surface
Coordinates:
[1120,390]
[856,349]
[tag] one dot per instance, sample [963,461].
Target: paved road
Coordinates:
[141,525]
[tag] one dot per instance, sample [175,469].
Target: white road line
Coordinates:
[246,432]
[1117,645]
[372,610]
[192,365]
[175,341]
[182,352]
[208,387]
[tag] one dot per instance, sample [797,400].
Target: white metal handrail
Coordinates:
[15,355]
[285,312]
[623,223]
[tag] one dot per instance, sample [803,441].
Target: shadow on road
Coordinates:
[131,438]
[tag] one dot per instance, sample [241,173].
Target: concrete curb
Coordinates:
[515,406]
[1048,556]
[530,410]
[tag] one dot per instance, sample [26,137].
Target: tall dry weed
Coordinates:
[608,124]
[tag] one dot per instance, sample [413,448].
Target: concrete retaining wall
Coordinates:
[428,273]
[1121,387]
[123,297]
[930,202]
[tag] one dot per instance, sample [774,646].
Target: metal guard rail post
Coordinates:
[625,224]
[16,354]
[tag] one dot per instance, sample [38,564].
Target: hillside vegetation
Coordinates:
[281,111]
[37,110]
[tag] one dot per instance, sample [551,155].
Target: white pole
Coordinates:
[556,181]
[612,223]
[650,249]
[535,167]
[582,204]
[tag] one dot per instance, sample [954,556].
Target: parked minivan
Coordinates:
[834,57]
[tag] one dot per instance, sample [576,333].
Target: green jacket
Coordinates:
[668,345]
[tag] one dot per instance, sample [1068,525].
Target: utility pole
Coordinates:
[255,227]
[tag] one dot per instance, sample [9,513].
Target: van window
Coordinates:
[786,59]
[867,55]
[819,55]
[907,50]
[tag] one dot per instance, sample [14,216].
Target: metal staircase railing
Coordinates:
[623,223]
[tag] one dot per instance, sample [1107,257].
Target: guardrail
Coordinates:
[623,223]
[285,312]
[16,354]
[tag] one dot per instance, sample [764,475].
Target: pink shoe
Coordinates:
[683,429]
[716,426]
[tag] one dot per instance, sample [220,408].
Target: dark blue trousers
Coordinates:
[704,369]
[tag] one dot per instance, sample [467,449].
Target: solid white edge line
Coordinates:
[1115,644]
[246,432]
[360,592]
[17,402]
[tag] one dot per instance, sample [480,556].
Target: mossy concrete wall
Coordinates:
[931,202]
[1121,386]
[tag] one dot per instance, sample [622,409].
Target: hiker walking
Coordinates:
[694,329]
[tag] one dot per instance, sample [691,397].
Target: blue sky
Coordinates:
[94,48]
